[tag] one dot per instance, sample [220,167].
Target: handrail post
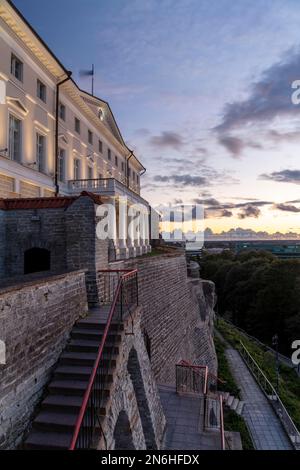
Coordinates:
[137,289]
[223,447]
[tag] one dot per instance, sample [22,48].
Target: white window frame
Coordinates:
[76,177]
[39,87]
[12,115]
[61,175]
[13,68]
[41,165]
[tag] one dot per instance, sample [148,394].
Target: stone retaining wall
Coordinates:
[177,313]
[35,322]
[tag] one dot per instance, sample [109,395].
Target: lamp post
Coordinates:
[275,343]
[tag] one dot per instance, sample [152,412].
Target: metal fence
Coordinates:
[272,396]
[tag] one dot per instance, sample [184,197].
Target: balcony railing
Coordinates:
[102,186]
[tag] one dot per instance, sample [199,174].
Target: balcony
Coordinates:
[105,187]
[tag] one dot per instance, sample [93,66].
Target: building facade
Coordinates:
[56,139]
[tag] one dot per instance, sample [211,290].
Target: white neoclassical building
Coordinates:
[56,139]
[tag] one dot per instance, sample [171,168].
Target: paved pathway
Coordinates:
[184,422]
[265,428]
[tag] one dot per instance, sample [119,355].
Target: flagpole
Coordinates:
[92,79]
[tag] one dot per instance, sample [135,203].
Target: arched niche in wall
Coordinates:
[134,370]
[122,433]
[36,260]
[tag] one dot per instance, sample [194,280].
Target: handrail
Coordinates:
[273,397]
[285,359]
[196,368]
[207,395]
[91,383]
[222,431]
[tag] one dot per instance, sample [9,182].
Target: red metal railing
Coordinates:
[222,431]
[191,378]
[119,290]
[197,379]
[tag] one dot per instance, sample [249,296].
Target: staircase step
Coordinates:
[234,404]
[94,323]
[70,387]
[59,420]
[85,358]
[68,403]
[70,372]
[90,346]
[229,401]
[94,334]
[240,407]
[39,439]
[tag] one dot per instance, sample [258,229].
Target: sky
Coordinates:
[201,90]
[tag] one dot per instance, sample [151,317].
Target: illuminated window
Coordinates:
[90,173]
[62,111]
[15,138]
[76,169]
[77,125]
[16,68]
[41,91]
[40,151]
[61,164]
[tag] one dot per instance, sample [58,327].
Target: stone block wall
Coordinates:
[134,395]
[177,314]
[35,322]
[24,229]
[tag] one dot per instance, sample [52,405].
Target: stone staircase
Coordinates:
[233,403]
[54,424]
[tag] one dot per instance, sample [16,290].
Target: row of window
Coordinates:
[17,71]
[15,147]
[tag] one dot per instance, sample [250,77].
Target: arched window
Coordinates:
[36,259]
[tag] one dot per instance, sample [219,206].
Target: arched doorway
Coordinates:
[134,370]
[36,259]
[122,433]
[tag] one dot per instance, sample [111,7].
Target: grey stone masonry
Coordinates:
[35,322]
[177,314]
[135,393]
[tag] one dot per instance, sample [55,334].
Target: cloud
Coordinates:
[283,176]
[226,213]
[236,145]
[142,132]
[167,139]
[214,208]
[269,97]
[286,207]
[186,180]
[249,211]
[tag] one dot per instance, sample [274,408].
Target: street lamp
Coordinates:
[275,343]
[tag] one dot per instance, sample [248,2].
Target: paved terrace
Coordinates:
[183,415]
[265,427]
